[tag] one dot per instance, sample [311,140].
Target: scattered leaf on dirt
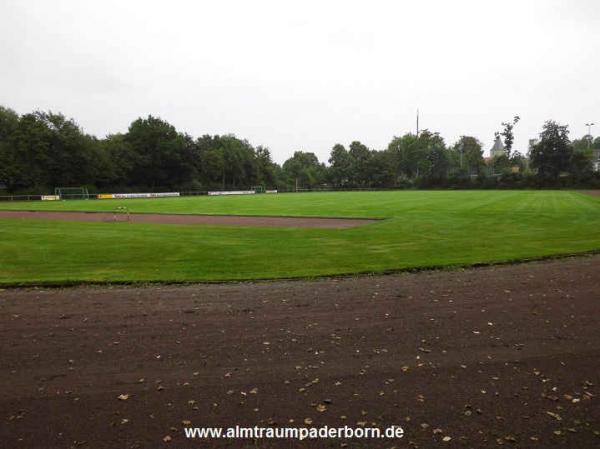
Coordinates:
[554,415]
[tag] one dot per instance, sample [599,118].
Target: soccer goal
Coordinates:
[72,193]
[258,189]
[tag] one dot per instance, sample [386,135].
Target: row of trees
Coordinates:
[42,150]
[426,161]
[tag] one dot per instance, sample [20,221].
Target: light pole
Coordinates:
[589,125]
[417,123]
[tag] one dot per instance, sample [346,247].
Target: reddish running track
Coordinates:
[236,220]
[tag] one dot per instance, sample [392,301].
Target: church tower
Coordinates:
[498,148]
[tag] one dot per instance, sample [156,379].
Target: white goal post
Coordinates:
[72,193]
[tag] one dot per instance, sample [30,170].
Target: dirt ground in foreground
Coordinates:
[188,219]
[504,356]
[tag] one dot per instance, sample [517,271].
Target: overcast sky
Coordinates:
[305,75]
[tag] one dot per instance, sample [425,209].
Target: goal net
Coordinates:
[72,193]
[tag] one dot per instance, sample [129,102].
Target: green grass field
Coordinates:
[421,229]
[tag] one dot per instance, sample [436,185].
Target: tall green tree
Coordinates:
[114,163]
[9,123]
[49,150]
[380,170]
[159,157]
[360,157]
[435,169]
[467,155]
[412,156]
[239,162]
[508,134]
[583,144]
[265,167]
[340,166]
[405,153]
[518,160]
[552,154]
[303,170]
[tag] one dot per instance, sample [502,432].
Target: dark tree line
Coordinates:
[43,150]
[40,151]
[425,161]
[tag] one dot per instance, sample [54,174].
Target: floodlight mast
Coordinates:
[589,125]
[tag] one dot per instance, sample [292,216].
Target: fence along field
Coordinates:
[420,229]
[81,193]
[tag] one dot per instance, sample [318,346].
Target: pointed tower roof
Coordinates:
[498,145]
[498,148]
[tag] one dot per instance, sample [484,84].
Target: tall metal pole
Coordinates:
[417,123]
[589,125]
